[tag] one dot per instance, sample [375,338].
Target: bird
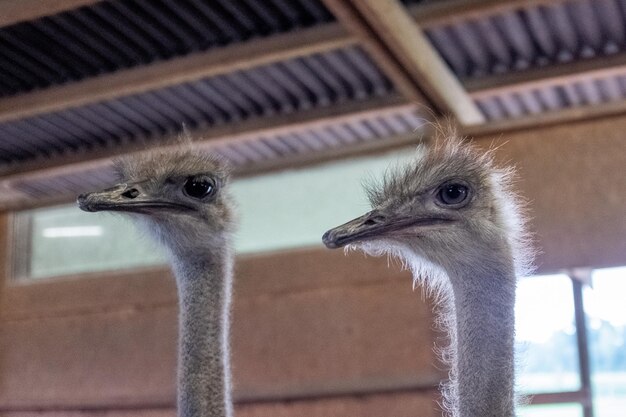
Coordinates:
[452,218]
[180,198]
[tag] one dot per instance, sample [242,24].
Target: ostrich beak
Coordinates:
[130,197]
[373,225]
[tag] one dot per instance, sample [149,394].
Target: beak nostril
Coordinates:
[374,220]
[132,193]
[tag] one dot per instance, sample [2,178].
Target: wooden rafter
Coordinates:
[440,13]
[550,76]
[569,115]
[15,11]
[405,54]
[6,243]
[166,73]
[351,19]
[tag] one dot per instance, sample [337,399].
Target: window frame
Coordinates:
[6,242]
[583,396]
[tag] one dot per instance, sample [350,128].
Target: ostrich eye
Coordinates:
[453,194]
[198,187]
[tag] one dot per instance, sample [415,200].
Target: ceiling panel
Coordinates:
[113,35]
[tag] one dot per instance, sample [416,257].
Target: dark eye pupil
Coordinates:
[453,193]
[198,187]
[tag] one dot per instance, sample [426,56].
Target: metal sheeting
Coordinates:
[532,37]
[330,136]
[113,35]
[535,37]
[551,98]
[249,150]
[289,86]
[55,186]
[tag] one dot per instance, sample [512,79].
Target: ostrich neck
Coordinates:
[484,300]
[204,290]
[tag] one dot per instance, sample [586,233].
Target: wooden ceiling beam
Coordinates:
[163,74]
[229,133]
[402,50]
[16,11]
[546,77]
[560,117]
[549,76]
[442,13]
[351,18]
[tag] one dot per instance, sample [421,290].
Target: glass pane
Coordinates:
[555,410]
[66,240]
[277,211]
[605,305]
[546,335]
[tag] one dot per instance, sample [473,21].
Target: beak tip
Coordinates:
[329,241]
[83,202]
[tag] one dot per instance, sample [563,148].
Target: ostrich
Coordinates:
[179,198]
[453,220]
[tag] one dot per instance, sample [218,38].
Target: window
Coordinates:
[572,340]
[546,345]
[546,335]
[552,410]
[605,305]
[65,240]
[277,211]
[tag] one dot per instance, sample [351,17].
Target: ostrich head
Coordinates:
[449,209]
[178,196]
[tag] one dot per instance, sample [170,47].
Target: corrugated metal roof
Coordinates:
[551,98]
[113,35]
[64,184]
[532,37]
[298,84]
[248,150]
[321,137]
[535,37]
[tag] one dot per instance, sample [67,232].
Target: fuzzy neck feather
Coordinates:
[472,277]
[204,290]
[482,335]
[475,304]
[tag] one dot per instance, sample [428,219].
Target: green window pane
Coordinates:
[546,335]
[606,318]
[552,410]
[277,211]
[65,240]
